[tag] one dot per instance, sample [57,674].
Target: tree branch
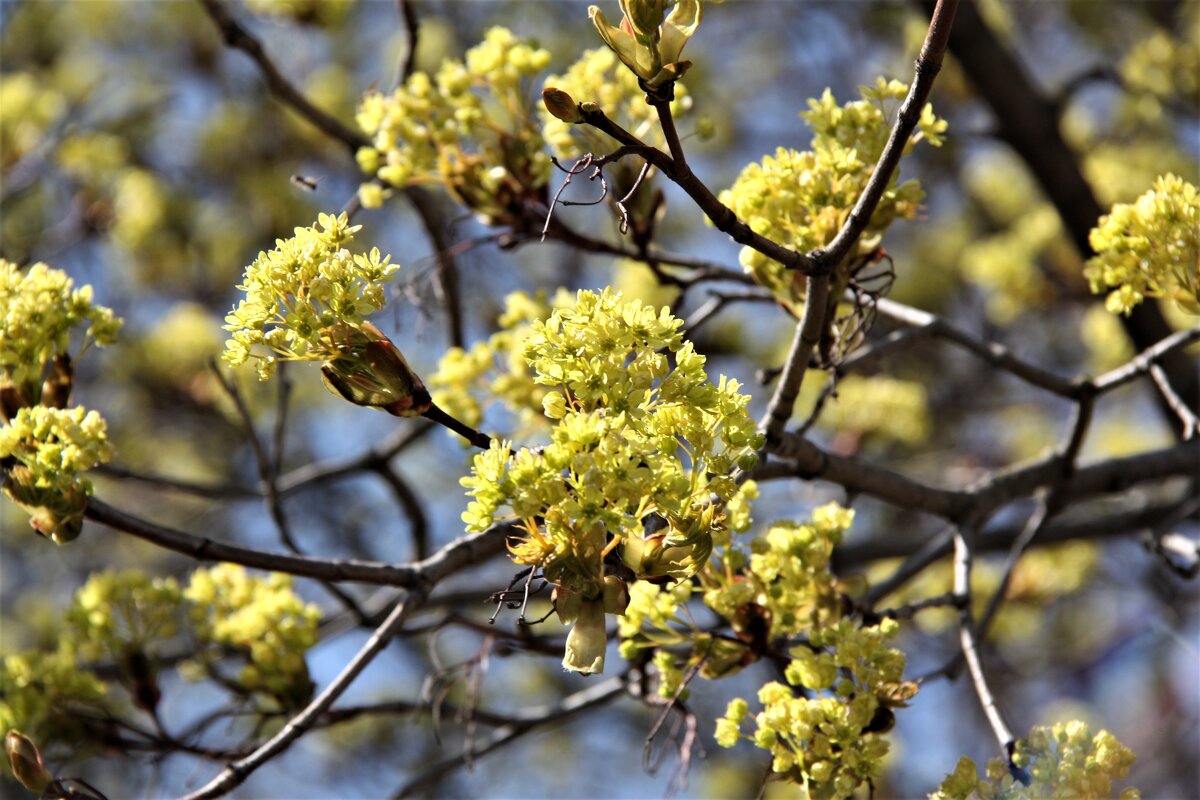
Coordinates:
[480,546]
[239,38]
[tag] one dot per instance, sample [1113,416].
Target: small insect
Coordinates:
[304,182]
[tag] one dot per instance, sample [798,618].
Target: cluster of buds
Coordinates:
[646,42]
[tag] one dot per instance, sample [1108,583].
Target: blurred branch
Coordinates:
[920,554]
[447,268]
[412,30]
[1029,123]
[315,473]
[527,721]
[800,458]
[239,38]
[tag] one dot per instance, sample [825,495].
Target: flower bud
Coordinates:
[561,105]
[370,371]
[26,762]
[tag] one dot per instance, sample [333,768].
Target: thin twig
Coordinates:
[928,64]
[997,355]
[970,642]
[1186,416]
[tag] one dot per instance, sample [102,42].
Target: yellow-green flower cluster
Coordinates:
[1166,66]
[264,621]
[466,380]
[39,307]
[41,692]
[641,462]
[51,448]
[1149,248]
[598,77]
[118,612]
[469,128]
[298,294]
[802,199]
[827,739]
[1064,760]
[31,106]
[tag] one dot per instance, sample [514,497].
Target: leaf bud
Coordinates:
[26,762]
[561,105]
[371,371]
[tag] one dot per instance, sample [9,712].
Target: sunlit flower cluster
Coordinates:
[641,462]
[1149,248]
[299,295]
[468,128]
[825,735]
[802,198]
[1063,760]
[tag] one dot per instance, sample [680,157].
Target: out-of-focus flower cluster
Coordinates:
[123,619]
[263,620]
[1149,248]
[467,380]
[638,476]
[299,294]
[317,12]
[468,128]
[876,408]
[802,198]
[1063,760]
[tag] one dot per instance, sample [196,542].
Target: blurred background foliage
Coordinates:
[141,156]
